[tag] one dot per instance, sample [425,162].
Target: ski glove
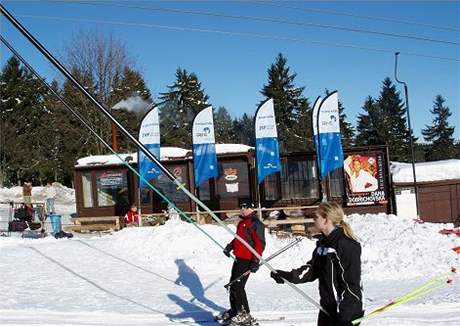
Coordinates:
[254,265]
[228,249]
[277,277]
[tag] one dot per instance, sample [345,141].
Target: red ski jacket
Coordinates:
[131,217]
[252,230]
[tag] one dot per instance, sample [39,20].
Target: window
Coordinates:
[271,183]
[299,179]
[87,190]
[233,181]
[204,191]
[168,187]
[336,183]
[145,195]
[112,188]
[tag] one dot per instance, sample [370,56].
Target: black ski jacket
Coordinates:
[336,263]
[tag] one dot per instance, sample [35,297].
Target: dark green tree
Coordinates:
[368,125]
[56,133]
[86,144]
[244,130]
[22,112]
[223,126]
[392,125]
[457,150]
[179,106]
[292,110]
[440,133]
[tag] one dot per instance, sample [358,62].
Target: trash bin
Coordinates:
[55,223]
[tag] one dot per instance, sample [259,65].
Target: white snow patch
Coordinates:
[232,148]
[395,247]
[425,171]
[157,275]
[166,153]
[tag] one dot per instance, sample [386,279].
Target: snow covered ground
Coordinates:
[174,275]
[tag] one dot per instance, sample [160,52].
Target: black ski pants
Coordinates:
[331,320]
[238,299]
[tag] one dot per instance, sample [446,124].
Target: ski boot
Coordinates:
[243,319]
[224,317]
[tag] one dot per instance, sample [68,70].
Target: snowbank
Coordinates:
[426,171]
[393,247]
[153,275]
[64,195]
[399,248]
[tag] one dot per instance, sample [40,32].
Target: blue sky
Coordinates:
[233,68]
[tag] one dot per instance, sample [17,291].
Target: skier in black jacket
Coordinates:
[336,263]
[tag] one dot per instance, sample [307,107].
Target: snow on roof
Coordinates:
[232,148]
[166,153]
[426,171]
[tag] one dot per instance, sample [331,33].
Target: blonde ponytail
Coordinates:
[334,212]
[347,230]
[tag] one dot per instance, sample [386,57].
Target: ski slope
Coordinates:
[174,275]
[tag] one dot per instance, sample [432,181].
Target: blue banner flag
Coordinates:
[204,147]
[149,136]
[329,144]
[267,147]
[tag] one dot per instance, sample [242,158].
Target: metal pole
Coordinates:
[2,150]
[114,138]
[410,134]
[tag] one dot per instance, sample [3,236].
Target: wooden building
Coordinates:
[438,185]
[104,186]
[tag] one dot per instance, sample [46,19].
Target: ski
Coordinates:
[427,287]
[255,322]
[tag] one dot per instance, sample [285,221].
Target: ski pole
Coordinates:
[275,254]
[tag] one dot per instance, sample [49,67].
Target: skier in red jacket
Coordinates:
[132,216]
[252,230]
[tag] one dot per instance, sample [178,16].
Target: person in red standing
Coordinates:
[252,230]
[132,216]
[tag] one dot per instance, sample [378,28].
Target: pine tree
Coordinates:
[440,134]
[303,130]
[22,110]
[392,126]
[223,126]
[64,139]
[179,105]
[457,150]
[291,108]
[90,113]
[368,125]
[346,128]
[244,130]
